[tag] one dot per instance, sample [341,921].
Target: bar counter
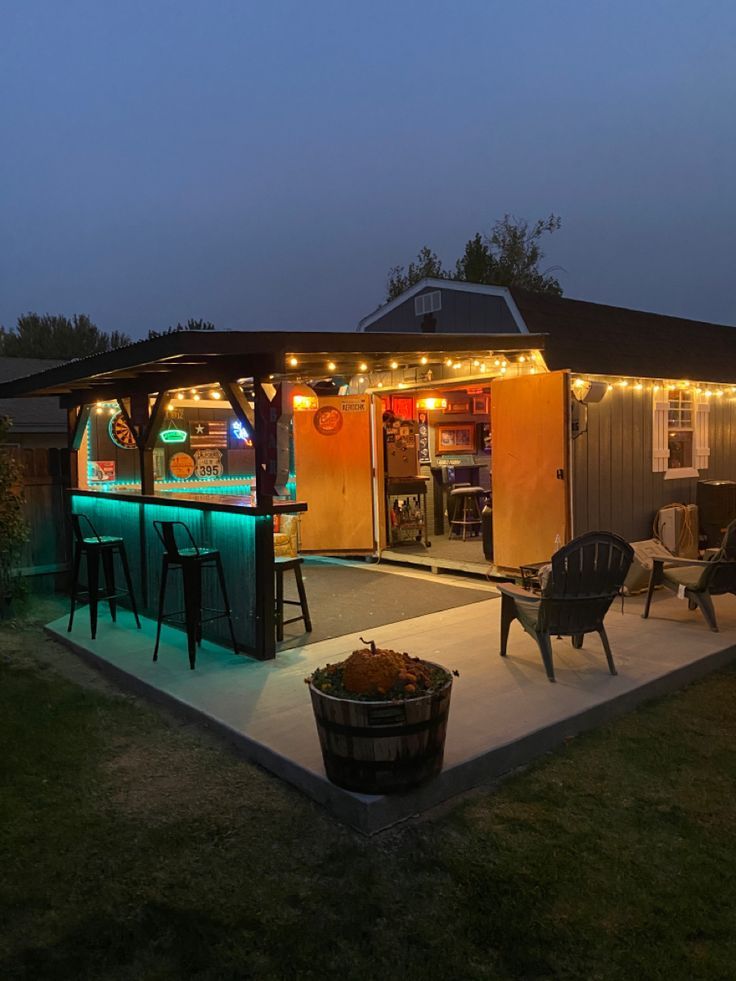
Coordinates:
[238,528]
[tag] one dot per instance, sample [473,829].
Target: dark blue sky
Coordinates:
[262,165]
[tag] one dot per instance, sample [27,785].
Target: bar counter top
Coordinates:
[235,503]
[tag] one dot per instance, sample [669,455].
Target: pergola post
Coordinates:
[76,420]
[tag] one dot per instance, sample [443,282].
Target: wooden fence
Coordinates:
[46,555]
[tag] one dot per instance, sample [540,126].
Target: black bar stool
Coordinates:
[97,547]
[282,565]
[466,514]
[191,560]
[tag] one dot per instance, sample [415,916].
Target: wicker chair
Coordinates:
[585,577]
[698,579]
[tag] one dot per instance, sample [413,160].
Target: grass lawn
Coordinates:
[134,846]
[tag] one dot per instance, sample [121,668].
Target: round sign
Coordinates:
[328,420]
[120,432]
[181,466]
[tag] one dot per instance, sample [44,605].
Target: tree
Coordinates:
[191,324]
[509,256]
[516,254]
[48,336]
[428,264]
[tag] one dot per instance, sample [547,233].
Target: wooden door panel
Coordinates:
[530,467]
[332,452]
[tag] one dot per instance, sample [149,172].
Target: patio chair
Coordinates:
[698,580]
[585,577]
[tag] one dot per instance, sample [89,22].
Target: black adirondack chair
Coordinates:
[700,579]
[586,576]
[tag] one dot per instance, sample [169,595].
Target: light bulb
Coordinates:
[180,395]
[196,396]
[215,394]
[394,365]
[362,366]
[423,359]
[293,361]
[331,366]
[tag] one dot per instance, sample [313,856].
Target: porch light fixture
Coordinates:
[430,402]
[303,398]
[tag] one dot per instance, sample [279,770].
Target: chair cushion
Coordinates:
[688,576]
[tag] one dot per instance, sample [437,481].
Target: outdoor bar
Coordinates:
[265,445]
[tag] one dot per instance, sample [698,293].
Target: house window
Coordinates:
[680,430]
[680,438]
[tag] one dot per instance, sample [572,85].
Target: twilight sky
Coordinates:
[262,165]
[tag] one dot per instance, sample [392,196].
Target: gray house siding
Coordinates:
[613,484]
[461,313]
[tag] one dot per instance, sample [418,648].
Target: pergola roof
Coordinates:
[187,358]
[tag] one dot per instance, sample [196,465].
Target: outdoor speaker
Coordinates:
[593,393]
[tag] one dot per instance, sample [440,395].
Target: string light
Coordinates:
[196,396]
[448,362]
[362,366]
[180,395]
[578,383]
[215,394]
[331,366]
[638,386]
[394,365]
[170,406]
[423,359]
[293,361]
[522,359]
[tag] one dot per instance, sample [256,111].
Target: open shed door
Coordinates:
[530,467]
[334,475]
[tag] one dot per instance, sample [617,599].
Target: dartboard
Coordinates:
[120,432]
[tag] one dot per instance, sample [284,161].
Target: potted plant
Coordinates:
[13,528]
[381,717]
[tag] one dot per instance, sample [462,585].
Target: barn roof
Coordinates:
[595,338]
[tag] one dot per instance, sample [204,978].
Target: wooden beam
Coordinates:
[151,430]
[76,422]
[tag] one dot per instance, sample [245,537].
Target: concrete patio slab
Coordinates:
[504,712]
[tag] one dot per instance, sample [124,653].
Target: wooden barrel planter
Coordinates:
[375,747]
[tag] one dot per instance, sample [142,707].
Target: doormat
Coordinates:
[344,600]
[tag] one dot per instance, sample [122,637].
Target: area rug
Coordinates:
[344,599]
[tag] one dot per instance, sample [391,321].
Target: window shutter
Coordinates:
[701,444]
[660,446]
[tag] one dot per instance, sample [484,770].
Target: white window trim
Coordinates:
[701,439]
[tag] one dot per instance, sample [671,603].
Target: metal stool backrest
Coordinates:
[79,533]
[166,531]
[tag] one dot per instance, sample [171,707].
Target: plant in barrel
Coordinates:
[382,718]
[13,528]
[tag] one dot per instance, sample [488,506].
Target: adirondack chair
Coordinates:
[699,579]
[586,576]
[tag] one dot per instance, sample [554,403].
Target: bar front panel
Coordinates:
[231,532]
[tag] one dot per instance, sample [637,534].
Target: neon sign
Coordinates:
[240,432]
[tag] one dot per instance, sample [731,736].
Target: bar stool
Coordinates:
[191,560]
[466,512]
[97,547]
[282,565]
